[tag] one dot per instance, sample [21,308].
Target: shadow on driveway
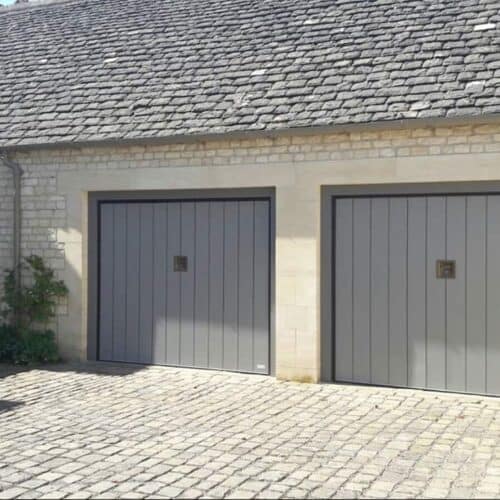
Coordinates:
[91,367]
[6,405]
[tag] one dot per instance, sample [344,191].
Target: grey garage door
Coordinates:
[398,319]
[185,283]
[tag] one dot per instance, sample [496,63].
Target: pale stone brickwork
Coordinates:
[44,208]
[6,191]
[56,182]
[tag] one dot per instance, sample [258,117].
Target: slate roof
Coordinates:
[91,70]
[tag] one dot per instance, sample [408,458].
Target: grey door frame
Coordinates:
[329,194]
[93,245]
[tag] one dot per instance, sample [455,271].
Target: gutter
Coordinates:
[17,173]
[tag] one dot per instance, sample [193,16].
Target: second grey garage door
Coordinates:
[185,283]
[417,292]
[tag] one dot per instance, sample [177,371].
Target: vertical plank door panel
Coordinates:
[455,295]
[261,287]
[436,294]
[245,286]
[475,269]
[120,282]
[417,276]
[202,291]
[343,290]
[160,264]
[188,238]
[106,283]
[361,290]
[173,284]
[398,252]
[230,344]
[216,285]
[380,291]
[146,284]
[133,277]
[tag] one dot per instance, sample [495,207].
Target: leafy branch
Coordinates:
[26,306]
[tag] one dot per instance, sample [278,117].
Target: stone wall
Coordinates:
[349,157]
[44,208]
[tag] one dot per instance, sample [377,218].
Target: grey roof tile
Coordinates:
[79,70]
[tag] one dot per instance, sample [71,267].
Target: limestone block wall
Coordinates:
[6,214]
[57,180]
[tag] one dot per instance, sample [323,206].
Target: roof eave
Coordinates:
[410,123]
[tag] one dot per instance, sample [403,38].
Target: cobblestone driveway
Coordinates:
[113,431]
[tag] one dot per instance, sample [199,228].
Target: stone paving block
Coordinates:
[186,482]
[170,491]
[241,494]
[134,495]
[12,492]
[50,476]
[272,476]
[149,488]
[191,493]
[164,433]
[297,493]
[53,494]
[101,487]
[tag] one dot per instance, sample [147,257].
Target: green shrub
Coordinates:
[9,343]
[37,347]
[26,306]
[26,311]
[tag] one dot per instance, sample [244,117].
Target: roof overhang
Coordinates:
[402,124]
